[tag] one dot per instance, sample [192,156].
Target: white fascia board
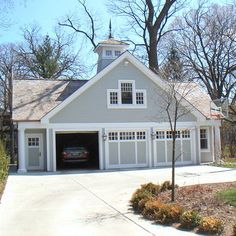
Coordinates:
[128,56]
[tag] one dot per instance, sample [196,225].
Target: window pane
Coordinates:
[160,134]
[204,139]
[113,136]
[141,135]
[113,98]
[139,98]
[108,52]
[126,93]
[117,53]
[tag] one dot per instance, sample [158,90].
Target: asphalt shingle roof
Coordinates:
[32,99]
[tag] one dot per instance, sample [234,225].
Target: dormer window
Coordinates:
[117,53]
[126,96]
[108,53]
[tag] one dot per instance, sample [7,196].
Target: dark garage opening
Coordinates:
[87,141]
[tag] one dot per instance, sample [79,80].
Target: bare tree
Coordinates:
[48,58]
[87,28]
[207,44]
[174,101]
[147,19]
[9,68]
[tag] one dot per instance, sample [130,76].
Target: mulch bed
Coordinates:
[202,198]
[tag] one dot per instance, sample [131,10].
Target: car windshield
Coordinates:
[74,149]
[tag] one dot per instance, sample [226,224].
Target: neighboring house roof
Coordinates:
[194,94]
[32,99]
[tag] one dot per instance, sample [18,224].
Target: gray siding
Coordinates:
[91,106]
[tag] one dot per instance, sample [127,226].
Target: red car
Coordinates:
[75,154]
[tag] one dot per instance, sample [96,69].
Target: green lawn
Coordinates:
[228,196]
[227,162]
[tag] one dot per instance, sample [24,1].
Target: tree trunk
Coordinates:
[173,169]
[152,53]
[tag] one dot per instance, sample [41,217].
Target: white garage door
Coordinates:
[163,147]
[126,149]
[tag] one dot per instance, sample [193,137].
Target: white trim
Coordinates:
[208,149]
[128,56]
[120,105]
[41,151]
[100,150]
[21,151]
[48,150]
[54,158]
[213,146]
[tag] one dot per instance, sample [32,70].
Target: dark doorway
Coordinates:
[86,141]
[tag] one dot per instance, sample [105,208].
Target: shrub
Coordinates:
[234,229]
[151,209]
[142,195]
[138,196]
[190,219]
[4,161]
[154,189]
[165,186]
[211,225]
[169,213]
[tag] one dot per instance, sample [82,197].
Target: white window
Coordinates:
[169,134]
[204,138]
[126,93]
[141,135]
[117,53]
[108,53]
[185,133]
[113,97]
[33,142]
[113,136]
[127,135]
[160,135]
[126,96]
[139,98]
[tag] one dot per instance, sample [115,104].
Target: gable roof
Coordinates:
[45,98]
[131,59]
[32,99]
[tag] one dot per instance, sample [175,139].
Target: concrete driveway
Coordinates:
[92,203]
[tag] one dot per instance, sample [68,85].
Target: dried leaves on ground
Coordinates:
[203,198]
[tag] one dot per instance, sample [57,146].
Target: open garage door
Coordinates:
[77,150]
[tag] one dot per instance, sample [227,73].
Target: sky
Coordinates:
[47,14]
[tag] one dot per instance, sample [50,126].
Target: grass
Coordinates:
[227,163]
[228,196]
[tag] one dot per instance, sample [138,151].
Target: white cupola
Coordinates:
[108,50]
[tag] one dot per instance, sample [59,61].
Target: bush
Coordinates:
[165,186]
[169,213]
[211,225]
[234,229]
[4,161]
[190,219]
[154,189]
[142,195]
[139,196]
[151,209]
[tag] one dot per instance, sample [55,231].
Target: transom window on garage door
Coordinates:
[126,136]
[185,134]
